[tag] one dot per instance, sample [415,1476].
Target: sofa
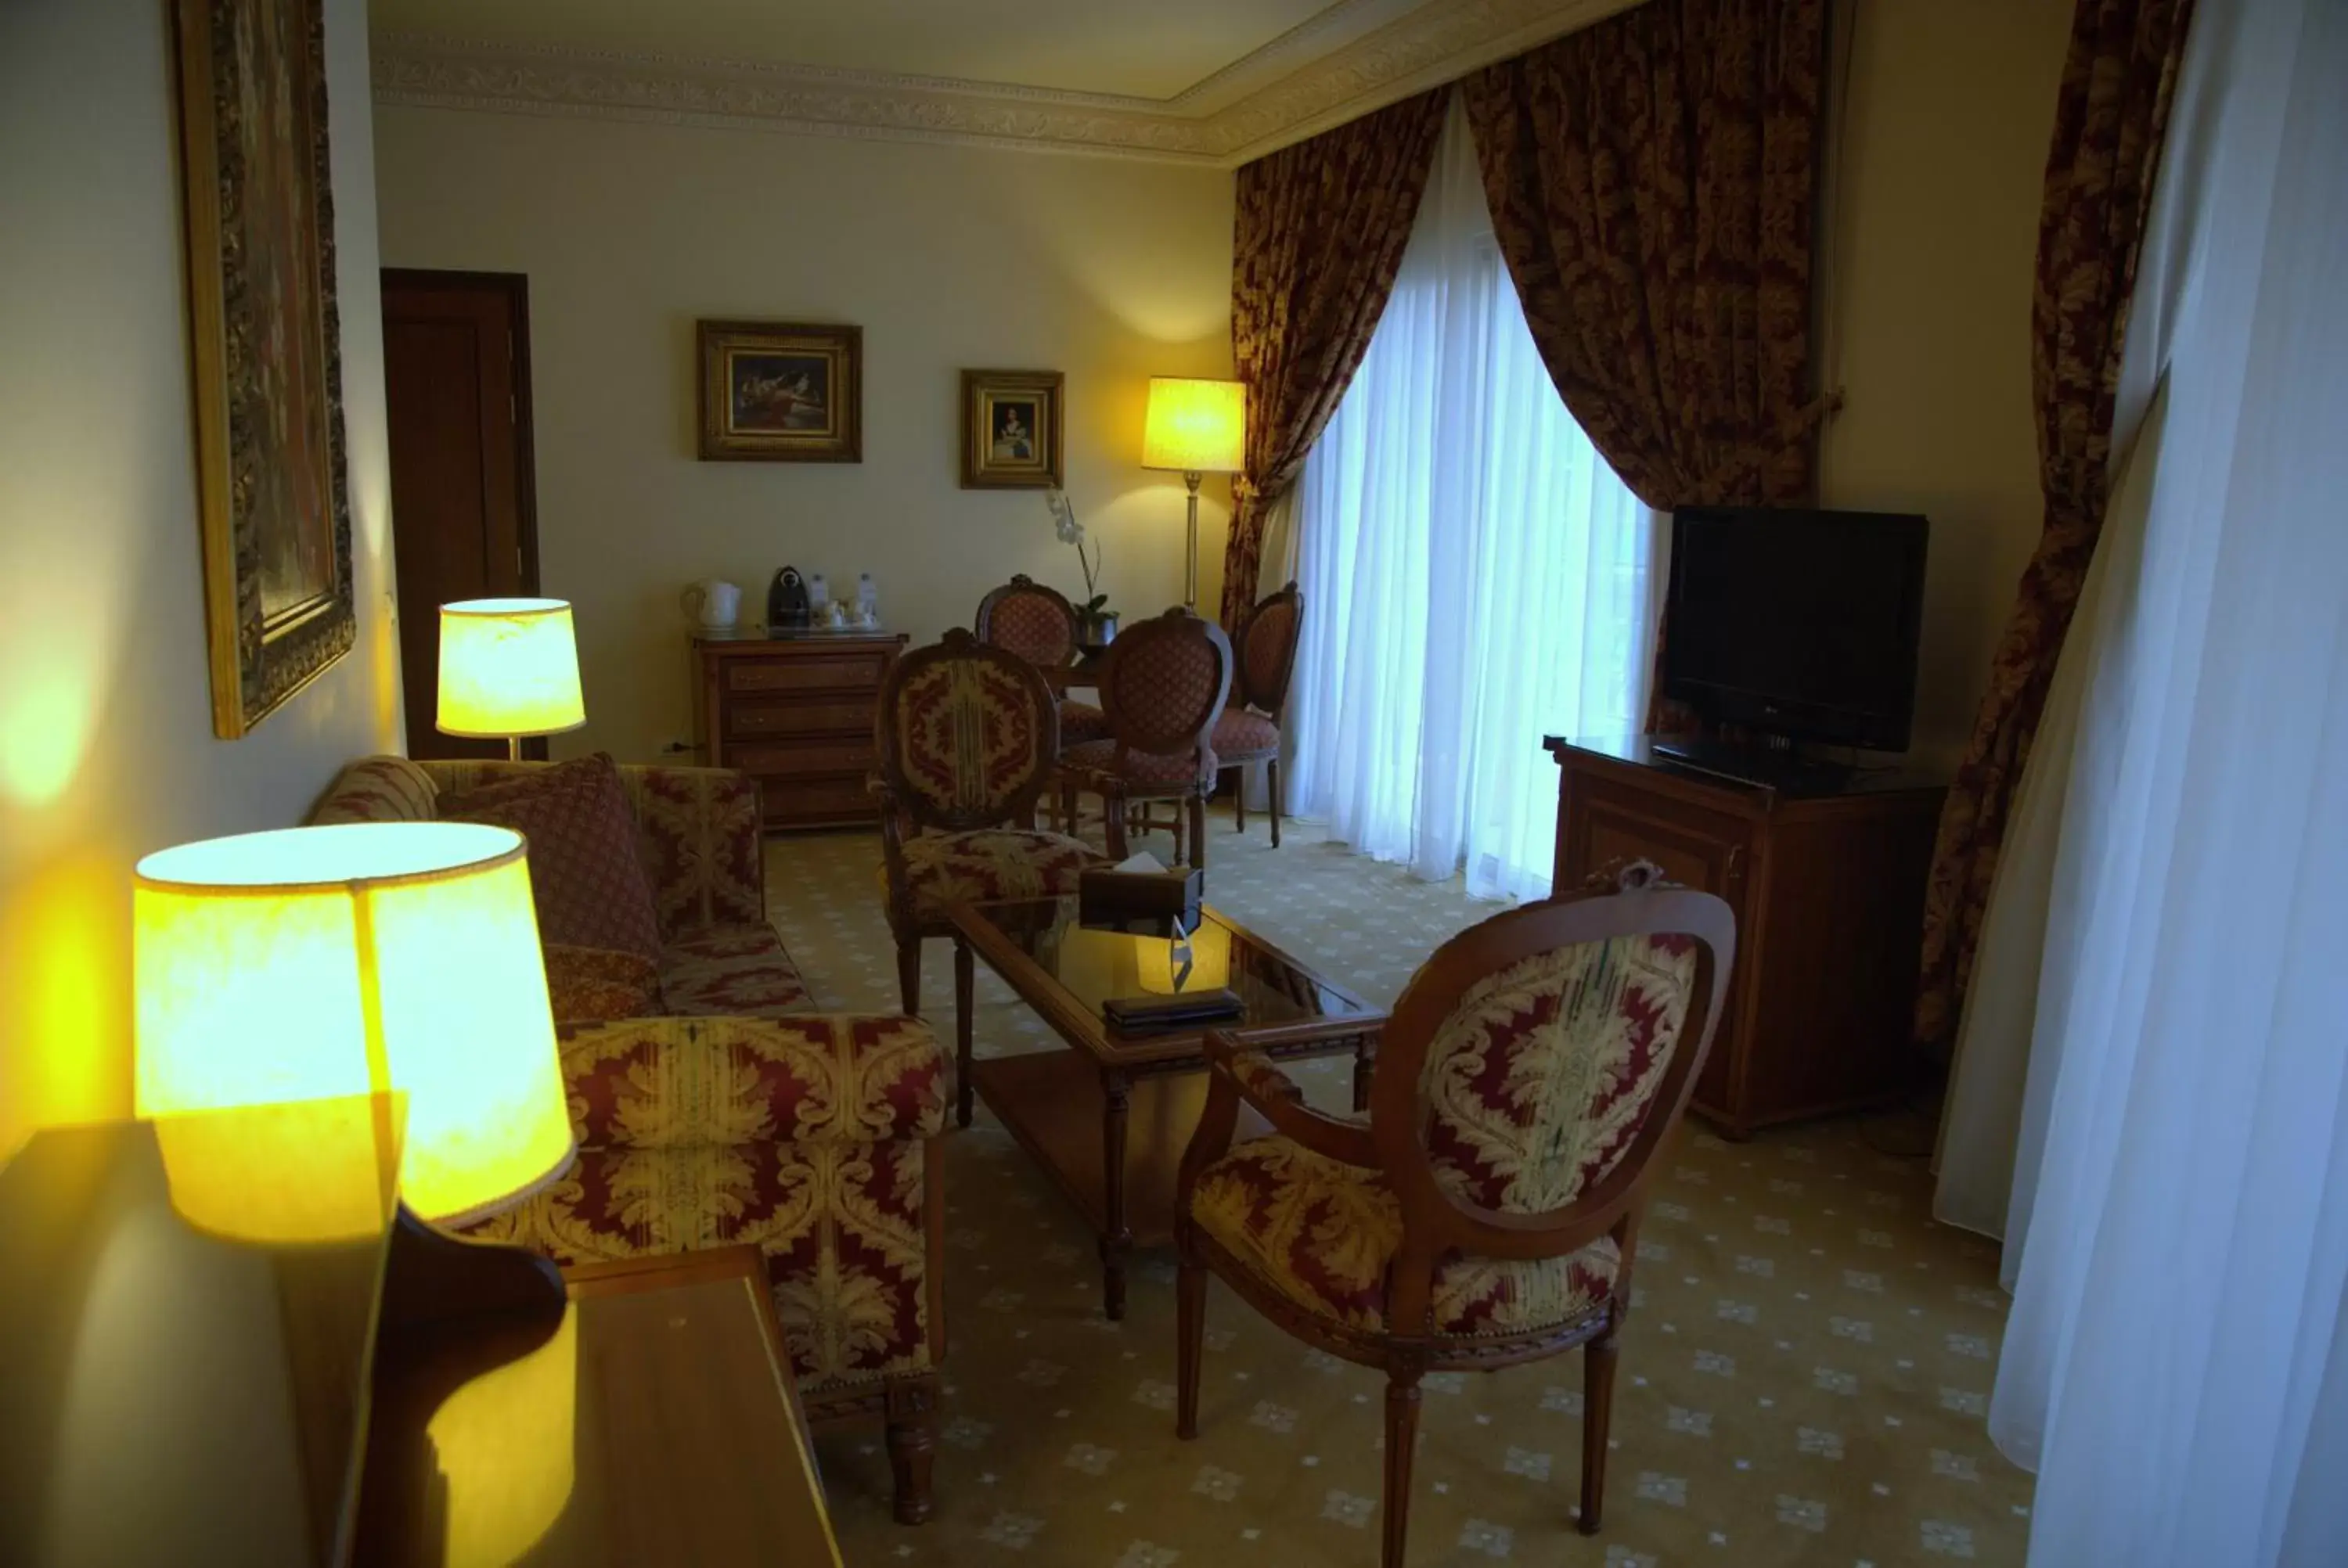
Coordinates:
[738,1111]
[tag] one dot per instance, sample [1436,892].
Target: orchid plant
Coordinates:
[1072,532]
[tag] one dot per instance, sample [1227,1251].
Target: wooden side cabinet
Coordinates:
[796,713]
[1829,891]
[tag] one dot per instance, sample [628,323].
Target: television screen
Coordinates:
[1799,623]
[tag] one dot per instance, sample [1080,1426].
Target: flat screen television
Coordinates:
[1797,623]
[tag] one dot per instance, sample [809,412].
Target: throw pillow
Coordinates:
[596,985]
[584,875]
[531,780]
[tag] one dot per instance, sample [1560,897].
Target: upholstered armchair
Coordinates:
[1039,624]
[966,737]
[1248,731]
[1486,1211]
[1162,687]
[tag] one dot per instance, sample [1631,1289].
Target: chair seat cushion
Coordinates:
[1182,770]
[943,868]
[735,969]
[1080,722]
[1321,1234]
[1240,736]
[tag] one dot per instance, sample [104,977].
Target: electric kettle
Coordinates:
[711,605]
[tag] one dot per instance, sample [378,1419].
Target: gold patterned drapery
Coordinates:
[1319,239]
[2118,80]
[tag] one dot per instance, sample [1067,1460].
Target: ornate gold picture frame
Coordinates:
[781,392]
[279,606]
[1010,434]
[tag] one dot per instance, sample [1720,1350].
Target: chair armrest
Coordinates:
[1274,1096]
[810,1078]
[700,834]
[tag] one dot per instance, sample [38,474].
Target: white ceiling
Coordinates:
[1138,48]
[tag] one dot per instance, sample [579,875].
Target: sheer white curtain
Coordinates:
[1474,577]
[2176,1366]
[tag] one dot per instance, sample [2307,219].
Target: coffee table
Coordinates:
[1109,1117]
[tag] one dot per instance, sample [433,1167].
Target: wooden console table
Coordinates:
[796,713]
[1829,889]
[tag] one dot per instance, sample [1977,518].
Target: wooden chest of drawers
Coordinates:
[797,714]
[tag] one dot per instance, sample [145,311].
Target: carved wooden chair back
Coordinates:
[966,734]
[1034,621]
[1164,685]
[1531,1069]
[1267,643]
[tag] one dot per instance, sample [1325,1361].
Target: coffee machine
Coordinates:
[787,602]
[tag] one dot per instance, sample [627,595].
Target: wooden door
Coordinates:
[464,510]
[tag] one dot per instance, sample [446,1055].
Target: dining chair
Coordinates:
[1486,1214]
[1039,624]
[1248,731]
[1162,687]
[967,735]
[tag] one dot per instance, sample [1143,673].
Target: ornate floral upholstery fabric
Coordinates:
[1319,240]
[1323,1234]
[739,969]
[810,1137]
[1189,769]
[584,877]
[587,984]
[1036,626]
[2110,121]
[1080,723]
[1539,1079]
[969,737]
[943,868]
[378,789]
[1240,736]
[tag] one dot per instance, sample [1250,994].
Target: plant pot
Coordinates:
[1097,628]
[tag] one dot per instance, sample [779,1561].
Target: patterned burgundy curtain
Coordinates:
[2118,83]
[1652,181]
[1321,230]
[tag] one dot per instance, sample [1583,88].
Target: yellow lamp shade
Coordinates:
[509,667]
[1195,427]
[363,958]
[307,1173]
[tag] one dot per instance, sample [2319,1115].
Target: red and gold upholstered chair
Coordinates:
[1163,686]
[967,735]
[1039,624]
[1248,731]
[1486,1211]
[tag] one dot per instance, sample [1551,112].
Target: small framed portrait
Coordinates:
[1011,429]
[781,392]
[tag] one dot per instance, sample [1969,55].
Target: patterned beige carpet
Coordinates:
[1804,1379]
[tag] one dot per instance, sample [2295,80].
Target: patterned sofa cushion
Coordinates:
[378,789]
[737,970]
[588,984]
[1321,1234]
[941,868]
[584,875]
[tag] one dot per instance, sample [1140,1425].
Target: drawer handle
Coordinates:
[1734,870]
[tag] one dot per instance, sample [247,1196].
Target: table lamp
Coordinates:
[509,668]
[370,958]
[1195,428]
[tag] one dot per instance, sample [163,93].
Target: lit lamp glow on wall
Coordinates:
[509,668]
[1195,428]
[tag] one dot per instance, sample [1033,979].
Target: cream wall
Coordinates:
[947,257]
[1936,228]
[105,742]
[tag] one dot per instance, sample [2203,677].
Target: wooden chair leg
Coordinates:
[1189,1342]
[912,1441]
[963,1031]
[908,974]
[1239,795]
[1271,784]
[1198,829]
[1597,1411]
[1113,812]
[1402,1437]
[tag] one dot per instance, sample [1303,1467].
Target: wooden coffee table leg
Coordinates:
[964,985]
[1117,1236]
[1366,1068]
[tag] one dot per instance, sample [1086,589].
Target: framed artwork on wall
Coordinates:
[267,350]
[781,392]
[1011,422]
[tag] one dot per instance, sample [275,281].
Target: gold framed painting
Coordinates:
[781,392]
[1011,433]
[279,606]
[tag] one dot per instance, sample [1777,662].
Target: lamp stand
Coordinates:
[513,748]
[1191,556]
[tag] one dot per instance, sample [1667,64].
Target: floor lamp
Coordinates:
[509,668]
[1195,428]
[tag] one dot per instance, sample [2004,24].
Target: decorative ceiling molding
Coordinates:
[1294,86]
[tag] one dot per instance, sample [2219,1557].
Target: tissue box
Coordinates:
[1119,896]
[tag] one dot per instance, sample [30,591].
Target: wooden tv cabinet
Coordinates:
[1828,883]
